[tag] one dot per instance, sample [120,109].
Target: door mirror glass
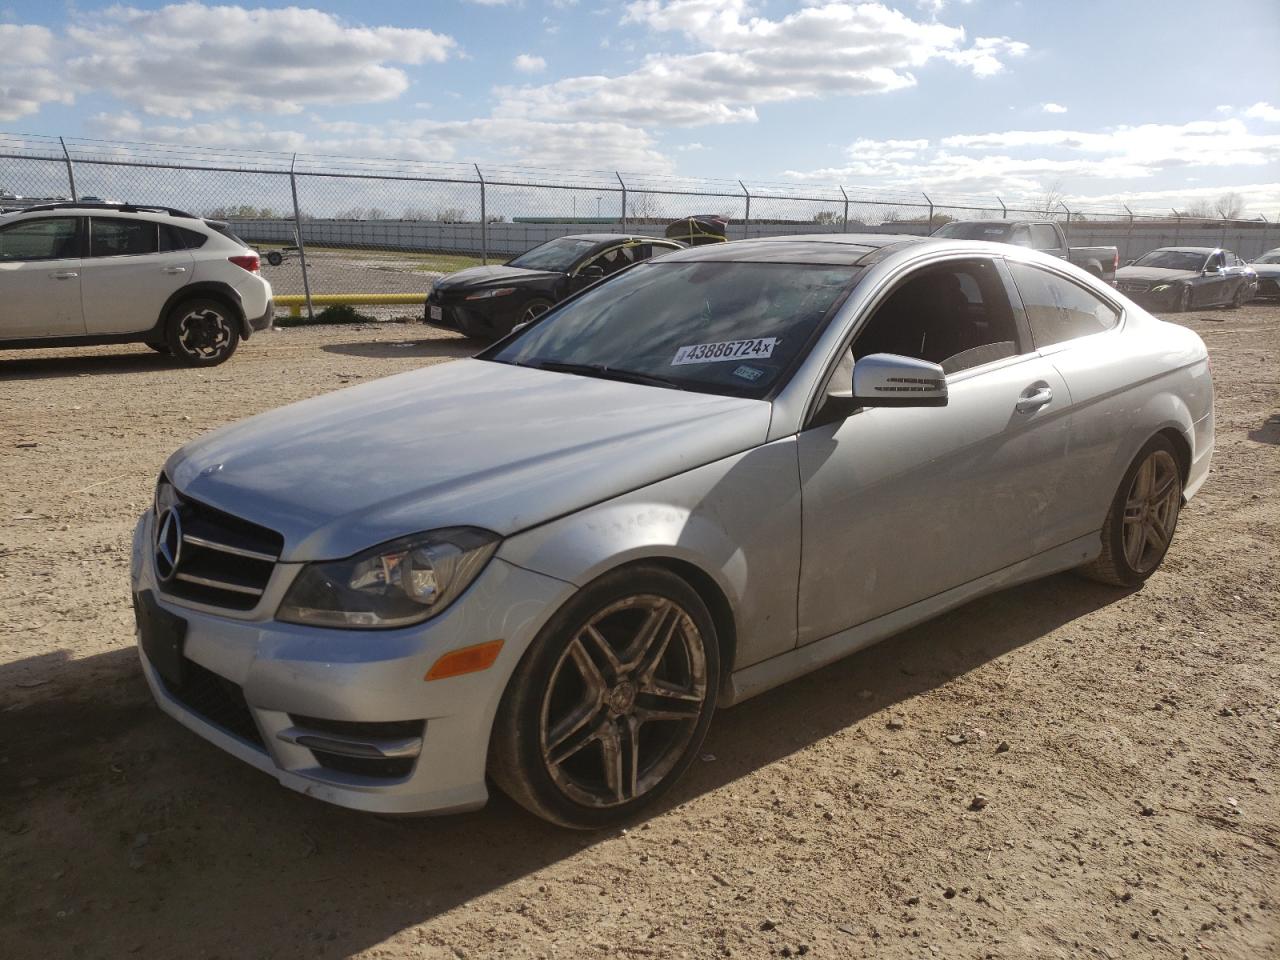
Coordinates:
[889,380]
[592,271]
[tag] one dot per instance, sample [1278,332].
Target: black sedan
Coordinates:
[488,302]
[1187,278]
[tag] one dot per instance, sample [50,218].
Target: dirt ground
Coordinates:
[1126,745]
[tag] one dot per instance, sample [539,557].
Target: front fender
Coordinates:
[736,520]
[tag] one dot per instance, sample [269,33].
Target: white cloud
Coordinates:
[1263,111]
[575,145]
[1020,162]
[29,77]
[189,58]
[528,63]
[741,61]
[1053,108]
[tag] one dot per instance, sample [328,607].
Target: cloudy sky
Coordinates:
[1154,101]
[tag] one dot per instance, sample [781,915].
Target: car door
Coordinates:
[40,278]
[900,504]
[128,277]
[1209,292]
[1075,329]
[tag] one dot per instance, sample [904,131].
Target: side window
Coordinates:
[1219,261]
[1021,236]
[1058,309]
[121,238]
[49,238]
[1044,237]
[193,239]
[955,314]
[614,259]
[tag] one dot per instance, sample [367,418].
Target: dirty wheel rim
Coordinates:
[533,311]
[623,701]
[1151,511]
[204,333]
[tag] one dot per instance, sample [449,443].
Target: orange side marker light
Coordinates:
[466,660]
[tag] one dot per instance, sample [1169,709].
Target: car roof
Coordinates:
[846,249]
[612,237]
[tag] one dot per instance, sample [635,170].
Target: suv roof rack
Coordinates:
[121,207]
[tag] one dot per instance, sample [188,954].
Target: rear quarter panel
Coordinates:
[1126,386]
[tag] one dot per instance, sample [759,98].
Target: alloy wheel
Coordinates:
[1151,511]
[204,333]
[623,701]
[533,311]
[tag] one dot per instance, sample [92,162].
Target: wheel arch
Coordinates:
[205,290]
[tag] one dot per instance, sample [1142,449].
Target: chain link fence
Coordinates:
[348,226]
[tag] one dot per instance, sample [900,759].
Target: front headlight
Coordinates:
[495,292]
[392,585]
[1161,287]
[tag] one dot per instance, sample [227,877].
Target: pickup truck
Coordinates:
[1044,235]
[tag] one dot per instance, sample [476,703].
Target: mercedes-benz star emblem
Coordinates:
[168,543]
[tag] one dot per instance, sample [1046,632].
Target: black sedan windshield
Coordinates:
[559,255]
[716,327]
[1172,260]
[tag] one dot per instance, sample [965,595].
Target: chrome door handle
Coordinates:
[64,275]
[175,269]
[1033,399]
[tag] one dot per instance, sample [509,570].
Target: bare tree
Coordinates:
[1050,199]
[1197,210]
[1229,206]
[643,206]
[826,217]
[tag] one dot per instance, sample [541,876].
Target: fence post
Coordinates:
[484,220]
[624,200]
[845,223]
[929,231]
[71,173]
[746,221]
[1067,230]
[1004,211]
[302,246]
[1128,237]
[1177,226]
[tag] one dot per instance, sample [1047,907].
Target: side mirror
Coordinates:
[592,272]
[1130,263]
[888,380]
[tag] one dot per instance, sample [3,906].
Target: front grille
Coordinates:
[223,561]
[1268,287]
[1133,286]
[215,699]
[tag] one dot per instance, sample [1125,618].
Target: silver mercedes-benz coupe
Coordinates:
[544,567]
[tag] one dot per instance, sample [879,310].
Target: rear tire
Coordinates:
[202,332]
[611,702]
[1143,518]
[275,258]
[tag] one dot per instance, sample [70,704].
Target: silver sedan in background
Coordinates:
[546,566]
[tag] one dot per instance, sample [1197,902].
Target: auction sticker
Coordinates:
[725,350]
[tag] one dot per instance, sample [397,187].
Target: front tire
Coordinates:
[1237,299]
[1184,301]
[1143,517]
[202,332]
[611,702]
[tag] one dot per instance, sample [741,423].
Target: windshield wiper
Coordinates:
[604,372]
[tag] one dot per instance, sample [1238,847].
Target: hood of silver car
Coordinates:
[1266,269]
[483,276]
[1154,273]
[468,443]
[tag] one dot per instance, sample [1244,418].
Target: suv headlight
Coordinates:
[392,585]
[1161,287]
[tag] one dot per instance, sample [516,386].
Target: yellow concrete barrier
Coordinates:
[296,301]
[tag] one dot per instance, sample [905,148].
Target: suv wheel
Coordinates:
[202,333]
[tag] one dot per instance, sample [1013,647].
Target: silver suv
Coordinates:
[74,274]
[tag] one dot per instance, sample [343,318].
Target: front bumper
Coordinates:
[264,685]
[475,318]
[1165,299]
